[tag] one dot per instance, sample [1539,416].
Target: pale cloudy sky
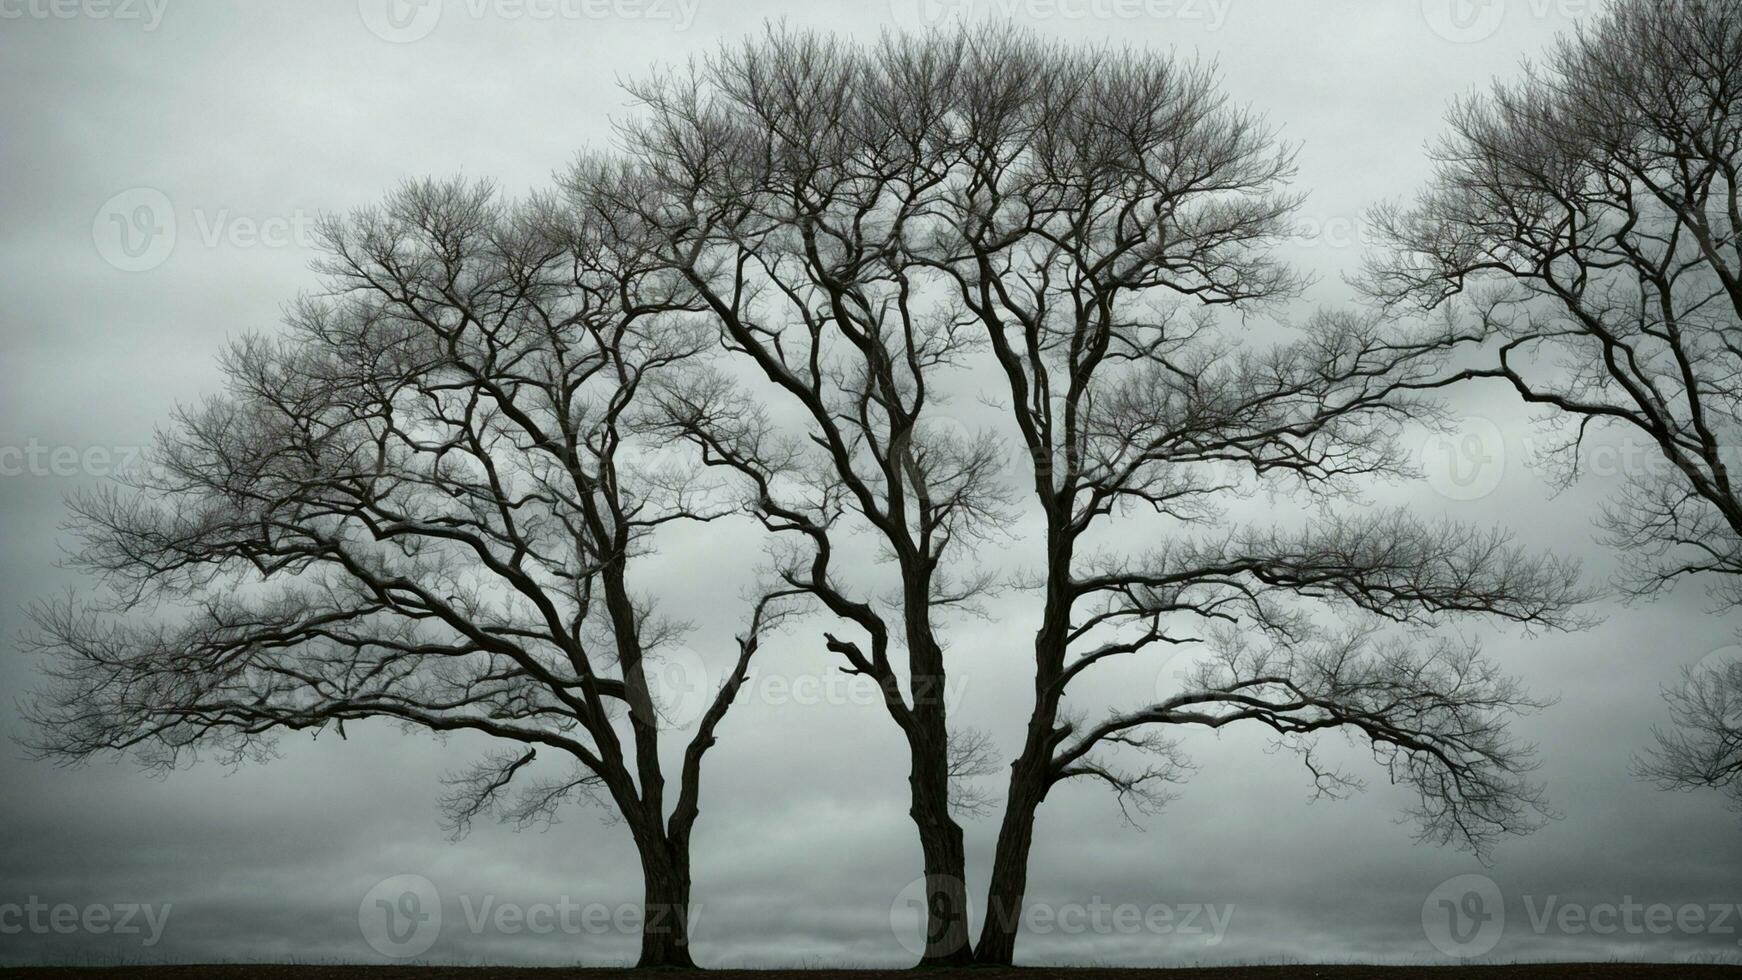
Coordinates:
[163,160]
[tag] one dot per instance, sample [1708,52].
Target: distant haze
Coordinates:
[243,122]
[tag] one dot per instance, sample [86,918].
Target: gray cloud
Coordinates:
[250,121]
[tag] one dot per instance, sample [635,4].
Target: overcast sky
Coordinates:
[162,162]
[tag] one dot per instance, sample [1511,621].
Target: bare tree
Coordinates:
[1704,749]
[1109,193]
[422,504]
[781,174]
[864,221]
[1586,217]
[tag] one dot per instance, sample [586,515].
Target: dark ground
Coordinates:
[1526,971]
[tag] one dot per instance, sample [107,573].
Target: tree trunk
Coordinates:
[1030,775]
[665,911]
[946,891]
[1004,896]
[947,939]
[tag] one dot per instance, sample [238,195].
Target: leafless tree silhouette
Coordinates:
[423,503]
[780,174]
[1704,749]
[860,220]
[1586,217]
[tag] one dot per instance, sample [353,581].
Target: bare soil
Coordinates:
[1522,971]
